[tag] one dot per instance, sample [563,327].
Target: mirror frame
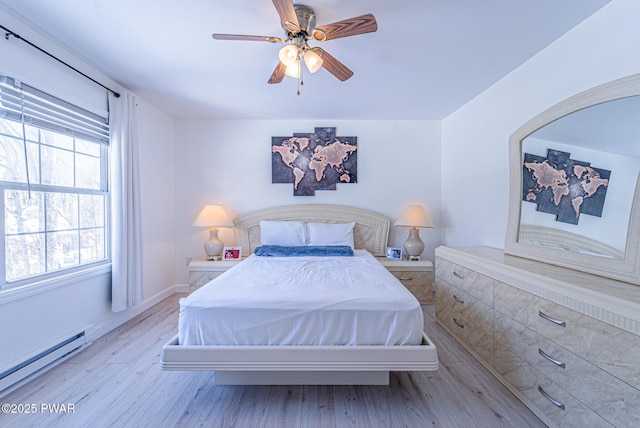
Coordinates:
[626,269]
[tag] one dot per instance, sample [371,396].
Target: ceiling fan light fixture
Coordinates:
[299,24]
[288,55]
[312,60]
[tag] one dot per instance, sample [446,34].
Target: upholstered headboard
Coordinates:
[370,232]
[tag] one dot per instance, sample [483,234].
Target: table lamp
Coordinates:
[414,216]
[213,217]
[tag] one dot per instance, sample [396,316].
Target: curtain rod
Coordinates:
[17,36]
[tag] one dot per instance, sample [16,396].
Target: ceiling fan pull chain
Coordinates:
[300,79]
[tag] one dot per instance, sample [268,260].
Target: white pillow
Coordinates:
[330,234]
[285,233]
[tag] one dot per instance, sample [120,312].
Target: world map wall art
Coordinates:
[563,186]
[314,161]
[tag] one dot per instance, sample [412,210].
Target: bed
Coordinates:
[282,340]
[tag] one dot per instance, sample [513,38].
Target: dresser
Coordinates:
[567,344]
[415,275]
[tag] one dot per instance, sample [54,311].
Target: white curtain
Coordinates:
[126,253]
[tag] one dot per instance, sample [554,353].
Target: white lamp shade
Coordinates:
[288,55]
[414,216]
[312,60]
[213,216]
[293,70]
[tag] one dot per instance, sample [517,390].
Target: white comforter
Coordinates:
[302,301]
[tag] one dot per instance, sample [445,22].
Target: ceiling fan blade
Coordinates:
[349,27]
[278,74]
[288,15]
[333,66]
[249,38]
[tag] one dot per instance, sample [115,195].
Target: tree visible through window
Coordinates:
[54,200]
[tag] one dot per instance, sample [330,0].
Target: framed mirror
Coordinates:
[575,183]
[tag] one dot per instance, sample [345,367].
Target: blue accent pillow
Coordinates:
[301,251]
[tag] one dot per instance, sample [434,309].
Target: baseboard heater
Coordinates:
[17,375]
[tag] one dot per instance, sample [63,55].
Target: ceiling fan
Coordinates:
[299,23]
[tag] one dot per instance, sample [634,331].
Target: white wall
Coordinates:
[475,172]
[157,196]
[228,162]
[33,322]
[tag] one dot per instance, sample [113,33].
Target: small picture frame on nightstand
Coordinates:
[232,253]
[394,253]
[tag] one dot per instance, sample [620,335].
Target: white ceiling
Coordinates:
[427,58]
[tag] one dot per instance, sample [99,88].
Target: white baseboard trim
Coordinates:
[124,316]
[182,288]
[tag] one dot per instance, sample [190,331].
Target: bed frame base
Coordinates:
[300,365]
[301,378]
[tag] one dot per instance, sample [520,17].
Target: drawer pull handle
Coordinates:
[553,360]
[545,395]
[458,324]
[458,275]
[457,299]
[553,320]
[406,278]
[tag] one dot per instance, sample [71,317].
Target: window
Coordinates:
[53,180]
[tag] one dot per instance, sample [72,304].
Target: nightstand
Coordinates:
[417,276]
[202,271]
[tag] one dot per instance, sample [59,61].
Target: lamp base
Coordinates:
[414,258]
[213,247]
[413,246]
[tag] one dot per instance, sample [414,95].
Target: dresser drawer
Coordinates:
[418,282]
[466,317]
[600,391]
[610,348]
[554,404]
[478,285]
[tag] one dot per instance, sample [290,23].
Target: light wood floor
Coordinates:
[116,382]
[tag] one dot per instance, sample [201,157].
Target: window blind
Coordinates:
[46,111]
